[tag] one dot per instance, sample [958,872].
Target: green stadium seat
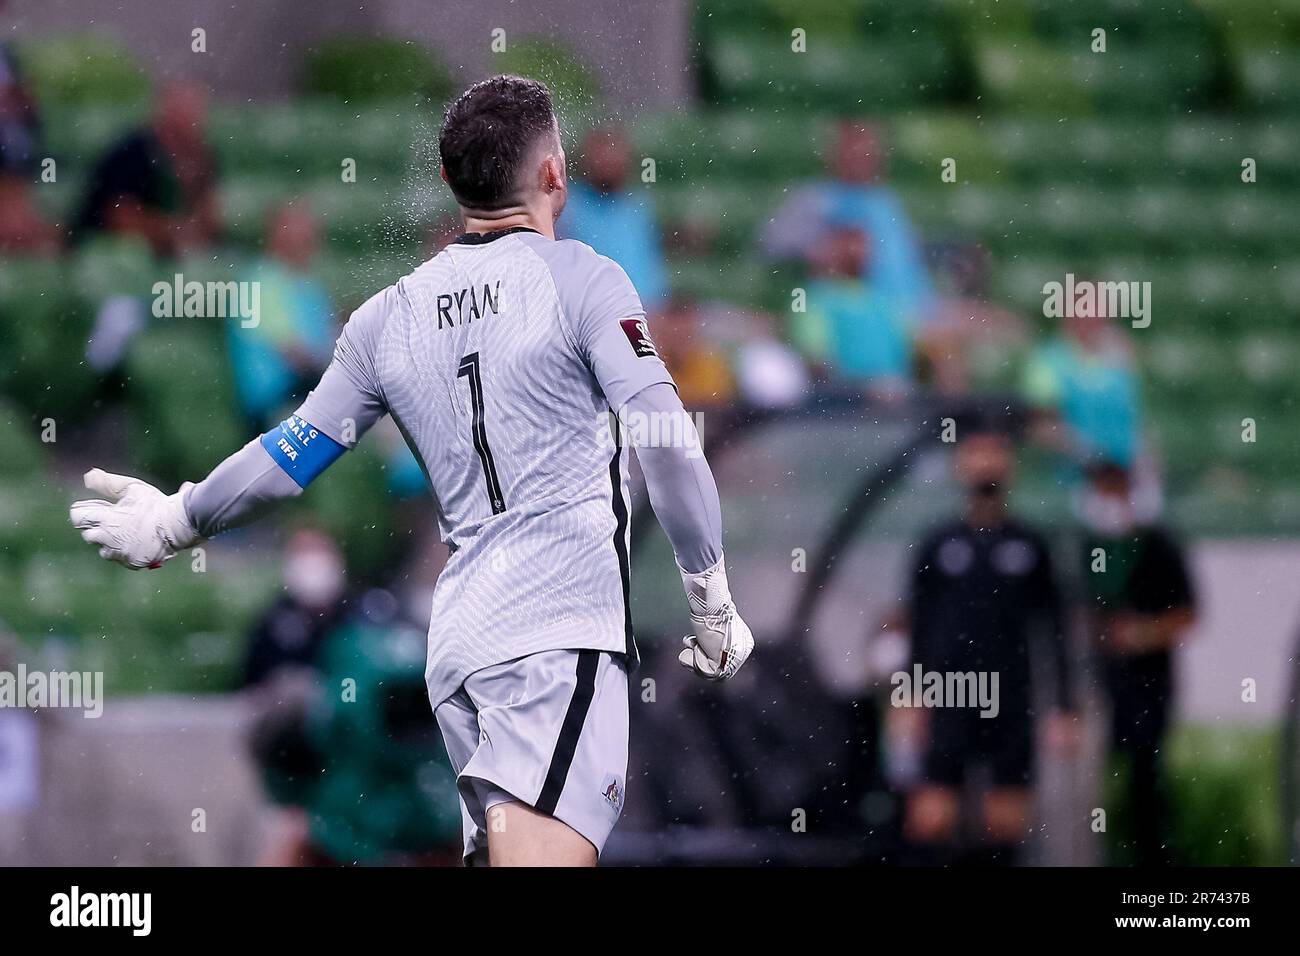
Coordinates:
[920,143]
[108,266]
[838,74]
[313,137]
[185,413]
[744,282]
[25,454]
[841,17]
[1031,77]
[33,517]
[1123,20]
[366,215]
[88,69]
[45,325]
[352,504]
[1269,78]
[81,134]
[350,278]
[731,144]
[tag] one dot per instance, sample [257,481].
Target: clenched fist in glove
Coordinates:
[133,522]
[722,642]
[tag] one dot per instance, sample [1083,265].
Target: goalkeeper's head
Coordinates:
[501,152]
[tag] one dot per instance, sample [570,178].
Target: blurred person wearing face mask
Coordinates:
[983,594]
[1141,605]
[291,631]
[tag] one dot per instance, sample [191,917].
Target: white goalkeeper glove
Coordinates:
[722,642]
[133,522]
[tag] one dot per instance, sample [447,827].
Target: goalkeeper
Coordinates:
[502,360]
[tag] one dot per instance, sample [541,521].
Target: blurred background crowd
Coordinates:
[840,218]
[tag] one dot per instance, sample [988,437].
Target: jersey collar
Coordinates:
[478,238]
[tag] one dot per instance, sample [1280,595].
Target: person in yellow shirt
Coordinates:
[703,376]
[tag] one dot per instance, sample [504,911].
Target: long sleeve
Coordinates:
[607,326]
[681,486]
[349,399]
[340,409]
[241,489]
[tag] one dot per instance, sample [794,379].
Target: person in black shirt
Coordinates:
[1141,605]
[158,182]
[982,592]
[290,633]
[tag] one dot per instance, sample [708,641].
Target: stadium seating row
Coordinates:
[309,139]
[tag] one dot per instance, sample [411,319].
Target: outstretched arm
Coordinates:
[139,526]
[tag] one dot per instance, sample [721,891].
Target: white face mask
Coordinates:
[314,578]
[1107,515]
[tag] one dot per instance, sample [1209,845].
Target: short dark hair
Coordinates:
[487,134]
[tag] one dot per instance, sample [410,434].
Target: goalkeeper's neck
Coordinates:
[540,219]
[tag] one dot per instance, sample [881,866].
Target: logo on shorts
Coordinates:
[638,333]
[612,791]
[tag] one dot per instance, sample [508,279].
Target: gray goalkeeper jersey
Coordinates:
[500,359]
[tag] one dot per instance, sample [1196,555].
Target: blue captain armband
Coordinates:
[301,449]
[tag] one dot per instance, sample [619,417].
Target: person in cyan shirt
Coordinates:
[614,219]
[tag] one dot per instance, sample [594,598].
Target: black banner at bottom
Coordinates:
[924,906]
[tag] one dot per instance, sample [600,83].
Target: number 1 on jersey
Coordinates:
[469,368]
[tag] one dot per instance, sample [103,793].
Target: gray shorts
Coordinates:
[548,730]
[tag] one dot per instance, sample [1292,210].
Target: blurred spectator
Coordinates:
[1141,605]
[970,340]
[740,355]
[703,376]
[282,355]
[850,325]
[158,182]
[348,752]
[20,128]
[770,374]
[982,593]
[290,633]
[1083,386]
[856,193]
[354,764]
[23,229]
[609,217]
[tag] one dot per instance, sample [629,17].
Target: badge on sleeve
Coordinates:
[638,333]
